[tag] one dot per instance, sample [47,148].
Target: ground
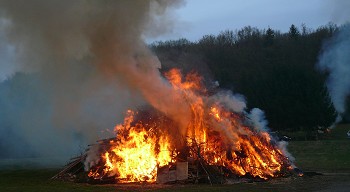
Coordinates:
[326,163]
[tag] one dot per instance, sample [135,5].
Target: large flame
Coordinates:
[214,135]
[136,153]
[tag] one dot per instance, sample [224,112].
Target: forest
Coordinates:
[276,72]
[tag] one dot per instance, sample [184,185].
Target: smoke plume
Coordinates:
[69,68]
[335,59]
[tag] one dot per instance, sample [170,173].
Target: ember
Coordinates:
[218,143]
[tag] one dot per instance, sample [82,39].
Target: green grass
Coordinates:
[330,156]
[39,181]
[322,155]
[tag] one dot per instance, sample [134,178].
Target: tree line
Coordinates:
[275,71]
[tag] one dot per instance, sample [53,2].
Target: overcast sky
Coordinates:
[201,17]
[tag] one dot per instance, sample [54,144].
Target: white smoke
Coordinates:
[92,157]
[234,102]
[282,145]
[335,59]
[257,116]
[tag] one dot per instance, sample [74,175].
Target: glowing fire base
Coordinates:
[142,152]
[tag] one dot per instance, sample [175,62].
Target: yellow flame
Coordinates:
[134,156]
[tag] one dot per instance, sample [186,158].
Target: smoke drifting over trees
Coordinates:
[335,60]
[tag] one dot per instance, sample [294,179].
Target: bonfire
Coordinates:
[217,143]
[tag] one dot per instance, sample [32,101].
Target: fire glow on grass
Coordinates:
[214,134]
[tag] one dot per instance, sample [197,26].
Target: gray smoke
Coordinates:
[340,10]
[234,102]
[258,119]
[335,59]
[69,69]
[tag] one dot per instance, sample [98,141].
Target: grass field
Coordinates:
[331,157]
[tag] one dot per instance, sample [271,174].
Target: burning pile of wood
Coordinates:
[193,163]
[212,140]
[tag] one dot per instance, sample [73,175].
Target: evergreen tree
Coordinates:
[294,32]
[269,37]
